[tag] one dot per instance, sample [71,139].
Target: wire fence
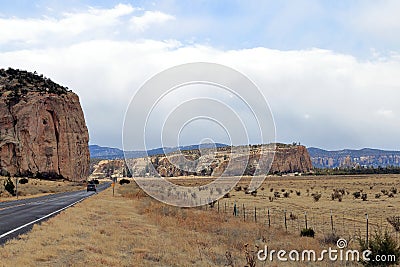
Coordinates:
[346,225]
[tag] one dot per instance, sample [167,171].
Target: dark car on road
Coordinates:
[91,187]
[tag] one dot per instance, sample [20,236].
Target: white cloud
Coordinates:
[93,23]
[340,95]
[379,18]
[141,23]
[385,112]
[318,97]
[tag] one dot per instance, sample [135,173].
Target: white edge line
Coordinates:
[44,217]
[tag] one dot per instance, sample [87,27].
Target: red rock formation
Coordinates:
[42,128]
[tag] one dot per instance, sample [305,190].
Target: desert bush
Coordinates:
[271,190]
[330,238]
[9,186]
[250,256]
[316,196]
[124,181]
[337,195]
[340,190]
[212,204]
[390,194]
[292,216]
[377,195]
[393,190]
[23,181]
[238,188]
[277,194]
[381,243]
[364,196]
[385,192]
[395,222]
[254,193]
[286,194]
[309,232]
[271,198]
[283,190]
[357,194]
[298,193]
[227,195]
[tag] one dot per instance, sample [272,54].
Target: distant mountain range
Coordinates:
[320,158]
[366,157]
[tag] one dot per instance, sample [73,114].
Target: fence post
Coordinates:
[244,213]
[305,217]
[332,222]
[255,214]
[218,206]
[367,229]
[285,221]
[225,207]
[269,219]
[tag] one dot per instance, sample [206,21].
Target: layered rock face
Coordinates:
[287,159]
[42,128]
[291,159]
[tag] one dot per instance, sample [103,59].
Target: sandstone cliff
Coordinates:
[287,159]
[42,128]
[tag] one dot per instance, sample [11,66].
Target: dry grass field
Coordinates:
[132,229]
[37,187]
[349,214]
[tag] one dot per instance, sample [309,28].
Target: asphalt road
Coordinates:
[19,216]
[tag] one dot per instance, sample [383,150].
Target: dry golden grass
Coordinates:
[348,215]
[132,229]
[38,187]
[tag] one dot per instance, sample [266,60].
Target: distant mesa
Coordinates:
[287,159]
[42,128]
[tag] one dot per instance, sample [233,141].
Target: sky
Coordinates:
[330,70]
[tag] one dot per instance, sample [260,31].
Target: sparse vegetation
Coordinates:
[364,196]
[124,181]
[189,233]
[308,232]
[9,186]
[330,238]
[357,194]
[316,196]
[382,243]
[395,222]
[23,181]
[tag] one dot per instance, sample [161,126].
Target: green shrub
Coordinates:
[364,196]
[307,232]
[316,196]
[23,181]
[9,186]
[382,243]
[124,181]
